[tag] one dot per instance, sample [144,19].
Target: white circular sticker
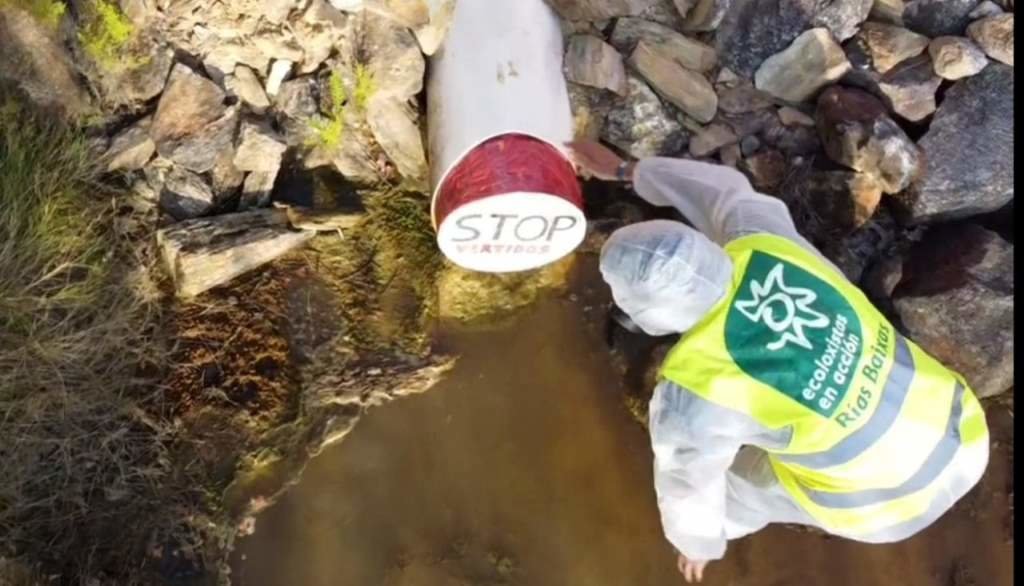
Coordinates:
[511,232]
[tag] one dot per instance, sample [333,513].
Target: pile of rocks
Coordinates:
[878,122]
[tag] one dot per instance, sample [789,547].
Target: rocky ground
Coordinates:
[273,150]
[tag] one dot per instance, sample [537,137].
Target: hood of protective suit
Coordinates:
[665,275]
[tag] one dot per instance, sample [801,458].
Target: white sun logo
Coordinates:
[785,310]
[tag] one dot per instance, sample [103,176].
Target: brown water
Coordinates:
[524,469]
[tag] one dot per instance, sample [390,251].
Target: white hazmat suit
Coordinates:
[712,480]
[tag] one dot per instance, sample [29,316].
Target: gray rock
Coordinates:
[244,84]
[590,109]
[642,126]
[39,64]
[843,17]
[133,86]
[793,117]
[811,62]
[225,177]
[706,15]
[688,52]
[222,57]
[909,88]
[712,138]
[969,147]
[956,57]
[956,301]
[394,58]
[858,134]
[748,123]
[731,155]
[994,34]
[132,148]
[986,8]
[296,104]
[888,45]
[259,148]
[936,18]
[191,125]
[593,10]
[396,129]
[592,62]
[687,90]
[185,195]
[888,12]
[793,141]
[666,13]
[750,145]
[257,190]
[754,30]
[742,97]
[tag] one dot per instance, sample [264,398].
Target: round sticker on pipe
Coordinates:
[511,232]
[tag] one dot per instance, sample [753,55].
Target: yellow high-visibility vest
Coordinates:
[874,420]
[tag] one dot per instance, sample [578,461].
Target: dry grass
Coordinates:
[83,465]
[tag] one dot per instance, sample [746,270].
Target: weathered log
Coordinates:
[206,252]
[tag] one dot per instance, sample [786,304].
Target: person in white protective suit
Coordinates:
[789,398]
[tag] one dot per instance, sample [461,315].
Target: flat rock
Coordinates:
[689,53]
[244,84]
[889,45]
[394,58]
[594,10]
[395,127]
[742,97]
[956,301]
[909,88]
[936,18]
[956,57]
[843,17]
[811,62]
[191,125]
[754,30]
[994,34]
[185,195]
[844,200]
[259,148]
[687,90]
[132,148]
[712,138]
[641,125]
[592,62]
[969,147]
[858,134]
[706,15]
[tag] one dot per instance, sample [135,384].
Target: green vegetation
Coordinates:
[48,12]
[329,129]
[366,86]
[82,462]
[106,36]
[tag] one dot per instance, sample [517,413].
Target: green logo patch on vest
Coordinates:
[794,332]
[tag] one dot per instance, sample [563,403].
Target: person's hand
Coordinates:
[692,570]
[596,160]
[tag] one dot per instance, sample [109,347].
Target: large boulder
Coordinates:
[754,30]
[956,301]
[811,62]
[969,151]
[956,57]
[641,125]
[192,125]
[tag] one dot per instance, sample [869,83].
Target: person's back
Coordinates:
[789,398]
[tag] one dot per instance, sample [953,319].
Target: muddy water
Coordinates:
[524,469]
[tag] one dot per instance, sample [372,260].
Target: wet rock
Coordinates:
[132,148]
[468,296]
[889,45]
[754,30]
[685,51]
[986,8]
[844,200]
[969,167]
[593,10]
[687,90]
[279,71]
[259,148]
[712,138]
[394,58]
[811,62]
[956,57]
[994,34]
[936,18]
[843,17]
[909,88]
[185,195]
[706,15]
[641,125]
[956,301]
[793,117]
[191,125]
[592,62]
[395,127]
[244,84]
[39,64]
[742,97]
[767,170]
[858,134]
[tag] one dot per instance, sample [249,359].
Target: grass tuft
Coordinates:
[106,36]
[329,129]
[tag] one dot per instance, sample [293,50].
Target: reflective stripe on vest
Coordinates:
[875,421]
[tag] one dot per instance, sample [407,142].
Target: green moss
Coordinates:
[48,12]
[328,130]
[107,35]
[366,86]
